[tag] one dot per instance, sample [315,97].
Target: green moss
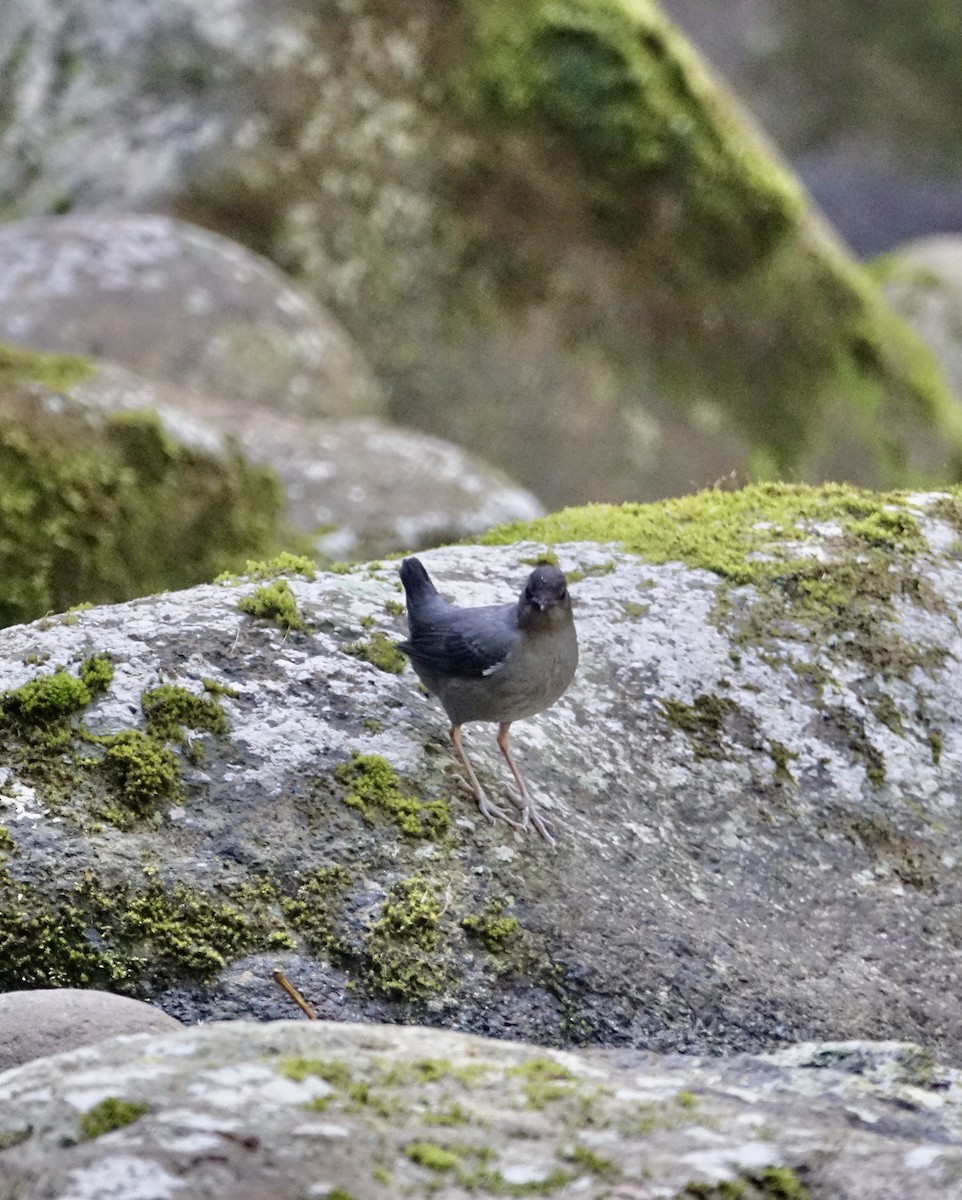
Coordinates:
[103,510]
[403,944]
[332,1070]
[493,928]
[56,372]
[544,1081]
[144,770]
[314,908]
[394,608]
[603,1167]
[47,699]
[169,709]
[672,181]
[703,721]
[7,844]
[284,563]
[216,688]
[14,1137]
[112,1113]
[772,1183]
[843,606]
[380,652]
[125,937]
[374,787]
[546,558]
[435,1158]
[274,602]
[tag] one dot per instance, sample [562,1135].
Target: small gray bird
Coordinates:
[499,662]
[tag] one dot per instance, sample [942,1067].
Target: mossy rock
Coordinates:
[111,508]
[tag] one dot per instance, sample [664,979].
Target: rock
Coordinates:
[35,1024]
[924,282]
[609,287]
[882,172]
[177,303]
[97,507]
[358,488]
[373,488]
[754,778]
[325,1110]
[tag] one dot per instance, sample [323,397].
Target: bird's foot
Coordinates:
[530,814]
[487,808]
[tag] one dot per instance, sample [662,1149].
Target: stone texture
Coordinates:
[35,1024]
[180,304]
[293,1109]
[757,825]
[356,487]
[924,282]
[563,247]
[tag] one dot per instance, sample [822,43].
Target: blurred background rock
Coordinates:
[549,237]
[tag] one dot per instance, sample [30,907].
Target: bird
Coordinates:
[496,662]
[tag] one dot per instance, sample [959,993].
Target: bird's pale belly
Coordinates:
[517,689]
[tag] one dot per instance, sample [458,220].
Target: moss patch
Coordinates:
[495,930]
[374,788]
[284,563]
[314,907]
[379,651]
[403,944]
[672,181]
[105,510]
[41,729]
[274,602]
[108,1115]
[839,601]
[127,935]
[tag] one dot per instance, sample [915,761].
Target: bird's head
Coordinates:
[545,601]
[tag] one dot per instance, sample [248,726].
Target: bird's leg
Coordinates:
[489,810]
[529,810]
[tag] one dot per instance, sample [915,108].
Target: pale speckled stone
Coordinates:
[835,1116]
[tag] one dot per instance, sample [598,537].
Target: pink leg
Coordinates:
[529,810]
[489,810]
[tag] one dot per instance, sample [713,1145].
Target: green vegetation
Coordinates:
[284,563]
[404,958]
[841,603]
[124,936]
[103,509]
[108,1115]
[494,929]
[375,788]
[701,216]
[380,652]
[314,907]
[544,1080]
[773,1183]
[703,721]
[274,602]
[41,729]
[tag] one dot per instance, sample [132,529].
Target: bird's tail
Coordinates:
[418,587]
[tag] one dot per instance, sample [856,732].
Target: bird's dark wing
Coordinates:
[465,642]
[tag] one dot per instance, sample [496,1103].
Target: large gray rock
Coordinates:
[557,242]
[324,1110]
[36,1024]
[755,781]
[180,304]
[358,487]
